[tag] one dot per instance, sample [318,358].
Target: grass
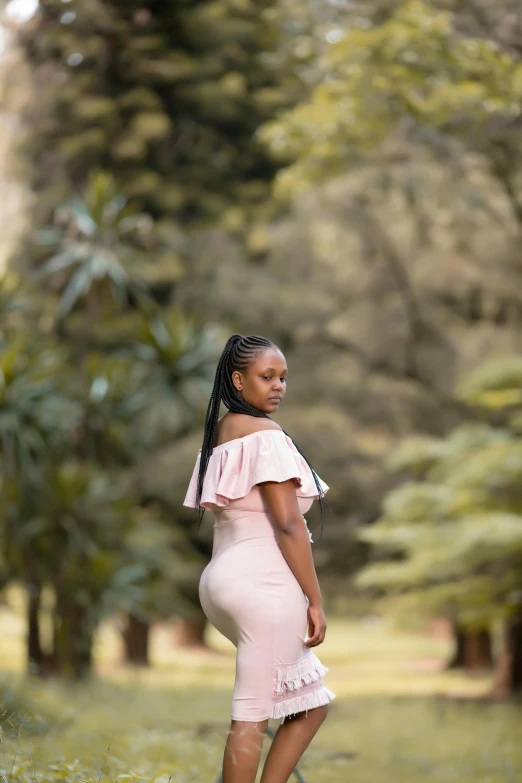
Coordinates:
[390,722]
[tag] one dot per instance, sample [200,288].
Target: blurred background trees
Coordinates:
[167,97]
[342,177]
[452,533]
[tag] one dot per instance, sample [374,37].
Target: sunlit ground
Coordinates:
[389,723]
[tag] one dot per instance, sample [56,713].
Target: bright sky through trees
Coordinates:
[19,11]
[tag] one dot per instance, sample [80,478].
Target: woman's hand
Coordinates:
[316,625]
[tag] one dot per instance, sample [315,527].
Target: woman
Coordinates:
[260,588]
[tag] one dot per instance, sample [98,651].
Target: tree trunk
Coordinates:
[457,661]
[190,633]
[473,650]
[73,636]
[508,675]
[478,650]
[34,649]
[136,637]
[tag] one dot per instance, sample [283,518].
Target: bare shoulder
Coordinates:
[259,425]
[237,425]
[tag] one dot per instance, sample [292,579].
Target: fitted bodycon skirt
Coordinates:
[249,593]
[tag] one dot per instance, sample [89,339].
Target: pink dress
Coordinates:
[248,591]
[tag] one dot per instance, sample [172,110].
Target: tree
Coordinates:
[452,536]
[35,414]
[102,241]
[165,97]
[411,80]
[111,377]
[166,100]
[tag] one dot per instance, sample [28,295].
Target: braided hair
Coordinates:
[238,353]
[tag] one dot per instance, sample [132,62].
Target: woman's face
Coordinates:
[263,384]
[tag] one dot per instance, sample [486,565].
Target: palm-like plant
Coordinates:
[99,243]
[113,394]
[144,384]
[17,306]
[183,352]
[35,411]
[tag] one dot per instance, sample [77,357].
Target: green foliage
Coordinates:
[34,411]
[138,119]
[412,77]
[65,529]
[112,395]
[99,248]
[19,714]
[79,405]
[166,98]
[182,355]
[495,386]
[156,563]
[453,537]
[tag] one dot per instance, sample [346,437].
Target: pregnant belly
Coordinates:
[250,587]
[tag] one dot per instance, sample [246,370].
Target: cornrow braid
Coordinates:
[237,354]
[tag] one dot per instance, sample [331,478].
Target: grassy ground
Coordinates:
[390,723]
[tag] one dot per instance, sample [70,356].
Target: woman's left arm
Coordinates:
[294,540]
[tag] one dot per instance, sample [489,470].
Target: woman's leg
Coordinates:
[291,740]
[242,751]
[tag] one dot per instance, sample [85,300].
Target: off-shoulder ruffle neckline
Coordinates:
[229,443]
[239,464]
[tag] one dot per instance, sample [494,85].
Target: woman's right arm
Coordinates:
[294,540]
